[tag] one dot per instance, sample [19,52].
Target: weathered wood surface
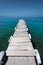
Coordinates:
[20,50]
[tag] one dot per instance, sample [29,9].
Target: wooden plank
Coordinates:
[21,61]
[19,47]
[21,30]
[20,39]
[22,43]
[21,34]
[20,53]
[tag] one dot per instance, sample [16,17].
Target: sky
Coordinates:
[21,8]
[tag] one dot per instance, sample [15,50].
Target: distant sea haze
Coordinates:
[34,24]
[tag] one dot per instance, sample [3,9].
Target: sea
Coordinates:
[35,28]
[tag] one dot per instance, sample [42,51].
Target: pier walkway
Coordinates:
[20,50]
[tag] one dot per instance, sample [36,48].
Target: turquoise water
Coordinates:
[35,25]
[7,26]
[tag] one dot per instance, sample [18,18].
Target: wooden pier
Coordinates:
[20,50]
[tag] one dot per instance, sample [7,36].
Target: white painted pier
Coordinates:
[20,50]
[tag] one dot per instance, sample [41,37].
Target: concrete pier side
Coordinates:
[20,50]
